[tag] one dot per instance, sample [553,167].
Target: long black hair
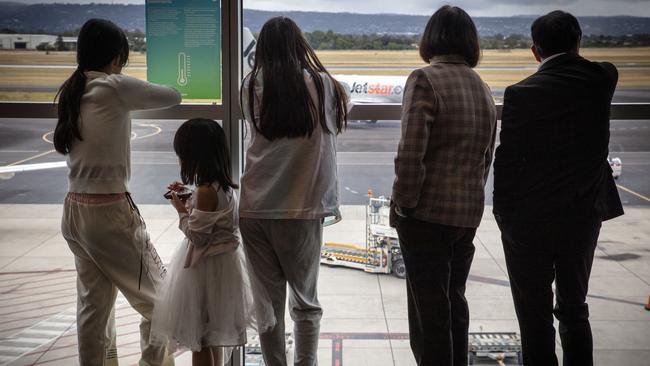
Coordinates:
[287,108]
[99,43]
[201,147]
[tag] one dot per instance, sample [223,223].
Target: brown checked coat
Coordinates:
[447,143]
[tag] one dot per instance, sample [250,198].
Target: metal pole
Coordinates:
[230,80]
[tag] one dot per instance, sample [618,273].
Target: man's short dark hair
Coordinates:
[556,32]
[450,31]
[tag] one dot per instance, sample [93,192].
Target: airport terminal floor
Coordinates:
[365,319]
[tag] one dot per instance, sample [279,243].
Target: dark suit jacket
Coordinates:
[552,160]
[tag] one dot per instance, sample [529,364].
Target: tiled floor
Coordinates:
[365,314]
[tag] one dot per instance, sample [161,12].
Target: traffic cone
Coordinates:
[647,306]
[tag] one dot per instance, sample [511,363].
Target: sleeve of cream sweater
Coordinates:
[141,95]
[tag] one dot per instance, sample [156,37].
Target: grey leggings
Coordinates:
[281,252]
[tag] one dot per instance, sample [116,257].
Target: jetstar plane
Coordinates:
[360,88]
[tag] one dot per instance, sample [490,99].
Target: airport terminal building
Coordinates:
[32,41]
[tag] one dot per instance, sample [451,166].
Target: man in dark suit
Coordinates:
[553,187]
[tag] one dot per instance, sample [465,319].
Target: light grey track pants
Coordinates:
[112,252]
[283,252]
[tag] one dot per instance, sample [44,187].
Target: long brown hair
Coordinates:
[287,109]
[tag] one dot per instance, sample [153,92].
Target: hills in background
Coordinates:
[59,18]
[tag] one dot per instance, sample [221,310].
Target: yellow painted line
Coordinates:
[348,257]
[350,246]
[344,246]
[633,193]
[31,158]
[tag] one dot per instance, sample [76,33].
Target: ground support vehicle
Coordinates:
[495,346]
[381,252]
[617,166]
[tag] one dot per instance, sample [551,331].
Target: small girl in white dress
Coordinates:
[206,300]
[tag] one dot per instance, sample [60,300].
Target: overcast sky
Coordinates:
[426,7]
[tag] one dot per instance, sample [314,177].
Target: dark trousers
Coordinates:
[536,254]
[437,259]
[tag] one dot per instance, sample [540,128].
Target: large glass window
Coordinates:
[371,55]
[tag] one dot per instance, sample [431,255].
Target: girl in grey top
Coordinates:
[295,109]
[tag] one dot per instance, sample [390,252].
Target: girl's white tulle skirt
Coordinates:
[210,304]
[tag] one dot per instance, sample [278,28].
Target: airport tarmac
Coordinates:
[365,160]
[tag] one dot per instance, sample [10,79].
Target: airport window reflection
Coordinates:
[361,287]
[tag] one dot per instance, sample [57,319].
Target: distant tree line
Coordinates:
[633,40]
[330,40]
[335,41]
[499,41]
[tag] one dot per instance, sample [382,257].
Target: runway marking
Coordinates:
[633,193]
[156,128]
[134,136]
[351,190]
[31,157]
[44,137]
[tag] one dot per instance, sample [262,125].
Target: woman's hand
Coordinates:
[176,186]
[178,204]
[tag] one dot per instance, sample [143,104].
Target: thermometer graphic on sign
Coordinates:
[182,69]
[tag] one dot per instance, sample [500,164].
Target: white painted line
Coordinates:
[44,137]
[12,168]
[156,128]
[32,157]
[633,193]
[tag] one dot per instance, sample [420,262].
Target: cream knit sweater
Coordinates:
[101,162]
